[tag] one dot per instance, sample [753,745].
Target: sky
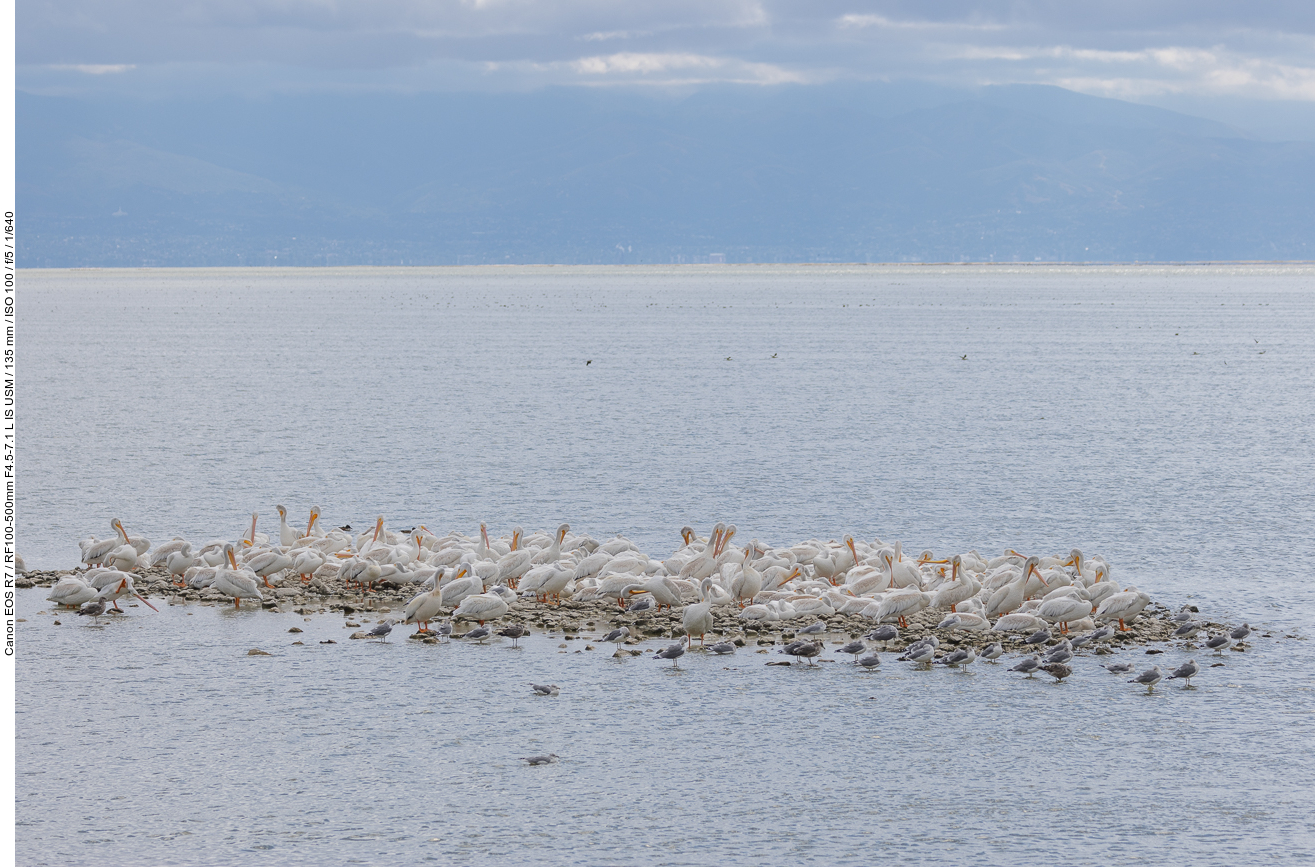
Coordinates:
[1142,50]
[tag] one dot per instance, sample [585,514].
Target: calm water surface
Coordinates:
[1160,416]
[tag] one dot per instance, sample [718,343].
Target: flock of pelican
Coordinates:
[479,578]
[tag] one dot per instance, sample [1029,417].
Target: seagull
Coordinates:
[1184,614]
[1039,637]
[643,603]
[93,608]
[884,634]
[1057,670]
[1082,640]
[617,636]
[1240,633]
[1186,671]
[1188,629]
[964,656]
[854,648]
[992,652]
[672,652]
[545,688]
[549,759]
[1118,667]
[722,647]
[922,653]
[479,633]
[1150,677]
[806,649]
[444,629]
[870,662]
[1217,643]
[1060,653]
[513,631]
[1027,665]
[381,630]
[812,628]
[1105,633]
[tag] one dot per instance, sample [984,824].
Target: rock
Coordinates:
[57,623]
[358,634]
[256,651]
[328,641]
[786,663]
[297,643]
[295,629]
[739,642]
[350,625]
[588,647]
[286,592]
[428,639]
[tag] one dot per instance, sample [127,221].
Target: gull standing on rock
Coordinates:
[672,652]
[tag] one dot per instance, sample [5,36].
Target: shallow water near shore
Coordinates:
[1159,416]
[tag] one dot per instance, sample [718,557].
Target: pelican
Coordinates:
[958,589]
[481,607]
[553,552]
[464,583]
[71,591]
[424,607]
[179,562]
[1010,596]
[268,563]
[749,582]
[697,618]
[703,565]
[95,553]
[1123,606]
[514,564]
[1063,610]
[117,590]
[898,605]
[287,535]
[251,538]
[234,582]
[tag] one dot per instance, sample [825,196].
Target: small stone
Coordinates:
[57,623]
[588,647]
[296,643]
[256,651]
[295,629]
[358,634]
[350,625]
[429,639]
[561,645]
[328,641]
[739,642]
[1153,651]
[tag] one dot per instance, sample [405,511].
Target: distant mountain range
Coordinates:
[890,172]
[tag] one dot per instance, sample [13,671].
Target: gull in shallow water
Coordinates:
[812,628]
[992,652]
[1149,678]
[381,630]
[854,648]
[1028,665]
[479,633]
[545,688]
[1057,670]
[671,652]
[549,759]
[964,656]
[1118,667]
[805,649]
[513,631]
[1041,636]
[884,634]
[722,648]
[93,608]
[1218,643]
[870,662]
[1240,633]
[1186,671]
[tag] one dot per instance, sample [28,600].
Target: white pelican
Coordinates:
[423,608]
[251,538]
[363,572]
[1010,596]
[287,535]
[705,563]
[1019,623]
[749,582]
[553,552]
[697,618]
[179,562]
[1063,609]
[124,558]
[555,584]
[71,590]
[1123,606]
[515,563]
[833,568]
[95,553]
[465,582]
[481,607]
[306,562]
[268,563]
[161,553]
[898,605]
[235,582]
[959,589]
[117,590]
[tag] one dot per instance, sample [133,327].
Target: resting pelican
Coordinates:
[898,605]
[697,618]
[1063,610]
[481,607]
[1010,596]
[465,582]
[72,591]
[957,590]
[1123,606]
[703,565]
[749,582]
[268,563]
[251,538]
[553,552]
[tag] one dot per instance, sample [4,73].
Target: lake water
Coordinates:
[1161,416]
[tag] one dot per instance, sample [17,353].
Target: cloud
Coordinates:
[1206,47]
